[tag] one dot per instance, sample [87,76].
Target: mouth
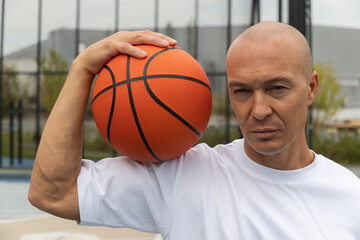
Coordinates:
[264,132]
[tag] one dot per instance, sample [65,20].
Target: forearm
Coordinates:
[61,143]
[58,159]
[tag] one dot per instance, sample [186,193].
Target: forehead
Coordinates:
[275,59]
[260,83]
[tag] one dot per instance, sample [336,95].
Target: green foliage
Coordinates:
[52,83]
[219,105]
[215,135]
[328,99]
[97,143]
[342,147]
[12,89]
[28,144]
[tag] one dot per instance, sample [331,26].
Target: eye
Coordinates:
[278,90]
[241,94]
[241,90]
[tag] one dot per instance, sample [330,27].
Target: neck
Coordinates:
[294,156]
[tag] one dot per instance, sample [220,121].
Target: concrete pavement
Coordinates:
[54,228]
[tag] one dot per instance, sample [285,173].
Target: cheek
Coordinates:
[295,113]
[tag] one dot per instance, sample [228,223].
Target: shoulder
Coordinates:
[335,167]
[220,151]
[200,159]
[338,174]
[203,159]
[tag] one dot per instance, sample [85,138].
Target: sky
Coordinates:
[21,15]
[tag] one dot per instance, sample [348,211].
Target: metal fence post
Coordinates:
[11,132]
[38,77]
[196,28]
[156,16]
[300,18]
[227,106]
[280,11]
[255,12]
[19,114]
[116,16]
[1,75]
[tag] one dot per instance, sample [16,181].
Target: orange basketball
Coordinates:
[152,109]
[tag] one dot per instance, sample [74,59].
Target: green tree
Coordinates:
[54,67]
[219,104]
[12,89]
[328,100]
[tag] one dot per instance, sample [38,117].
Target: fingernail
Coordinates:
[142,53]
[164,42]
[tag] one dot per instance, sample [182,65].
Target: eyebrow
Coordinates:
[272,81]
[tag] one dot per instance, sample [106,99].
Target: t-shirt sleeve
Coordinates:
[118,192]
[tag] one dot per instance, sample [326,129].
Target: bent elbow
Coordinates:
[35,199]
[64,206]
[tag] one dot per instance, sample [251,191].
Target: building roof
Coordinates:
[329,44]
[348,124]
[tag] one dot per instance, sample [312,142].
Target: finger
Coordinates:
[152,38]
[171,41]
[129,49]
[125,42]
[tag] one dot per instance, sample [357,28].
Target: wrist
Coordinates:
[81,72]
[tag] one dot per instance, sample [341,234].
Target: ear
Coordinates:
[313,85]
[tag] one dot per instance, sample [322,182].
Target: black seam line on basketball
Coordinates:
[174,76]
[133,109]
[152,77]
[159,102]
[112,104]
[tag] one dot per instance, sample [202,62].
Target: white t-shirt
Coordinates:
[220,193]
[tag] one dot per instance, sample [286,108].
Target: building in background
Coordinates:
[337,45]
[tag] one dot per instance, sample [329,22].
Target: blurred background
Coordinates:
[39,39]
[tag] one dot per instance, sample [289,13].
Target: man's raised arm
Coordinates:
[53,186]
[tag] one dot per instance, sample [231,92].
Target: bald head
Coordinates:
[266,32]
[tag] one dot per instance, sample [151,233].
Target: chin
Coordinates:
[268,148]
[268,152]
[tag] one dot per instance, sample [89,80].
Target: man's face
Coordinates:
[269,93]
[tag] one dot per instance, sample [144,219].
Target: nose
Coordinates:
[261,108]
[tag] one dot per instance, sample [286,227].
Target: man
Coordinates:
[269,185]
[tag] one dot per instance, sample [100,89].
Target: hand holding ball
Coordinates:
[152,109]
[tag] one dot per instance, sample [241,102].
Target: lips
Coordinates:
[264,132]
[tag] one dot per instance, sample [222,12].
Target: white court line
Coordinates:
[59,235]
[45,215]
